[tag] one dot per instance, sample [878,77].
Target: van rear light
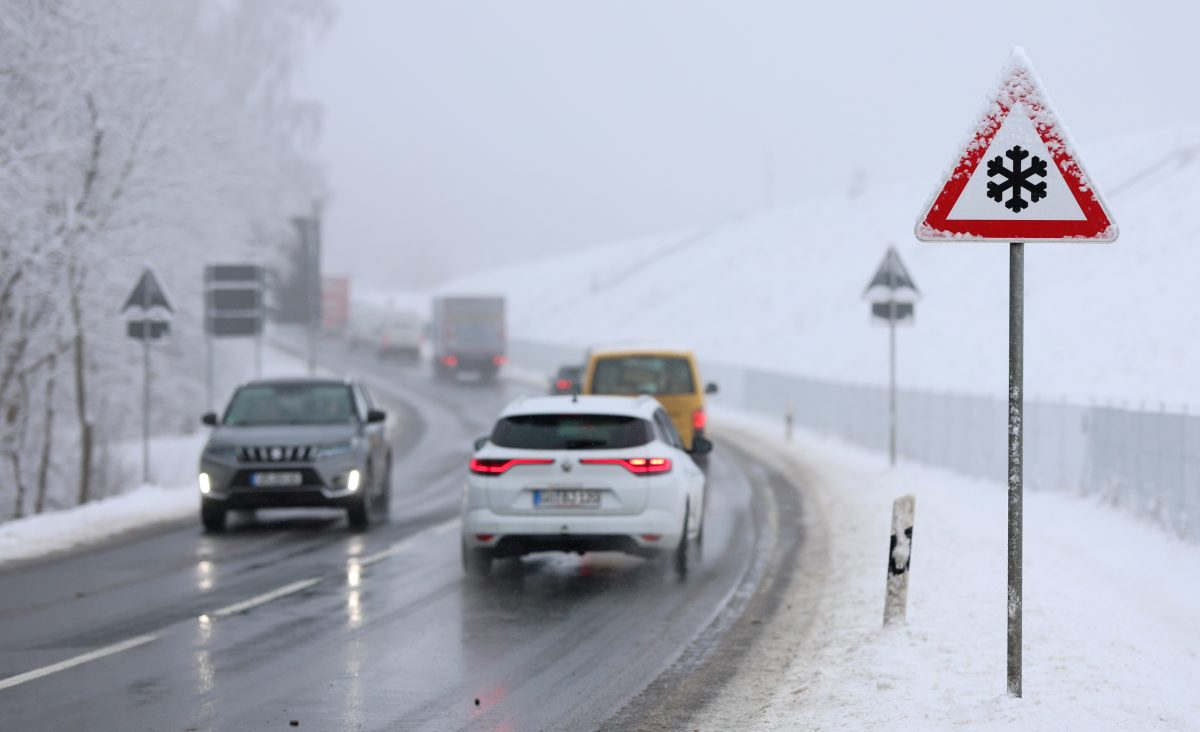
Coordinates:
[493,466]
[450,361]
[499,360]
[699,419]
[562,384]
[484,537]
[638,466]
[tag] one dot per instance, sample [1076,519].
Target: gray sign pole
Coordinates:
[209,387]
[892,380]
[314,286]
[1016,427]
[146,384]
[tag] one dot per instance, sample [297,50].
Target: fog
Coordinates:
[458,135]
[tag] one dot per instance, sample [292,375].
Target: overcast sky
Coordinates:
[458,135]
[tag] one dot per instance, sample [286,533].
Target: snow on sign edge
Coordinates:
[1019,83]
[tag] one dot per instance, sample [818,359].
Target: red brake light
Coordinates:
[638,466]
[699,419]
[499,359]
[563,384]
[450,361]
[490,466]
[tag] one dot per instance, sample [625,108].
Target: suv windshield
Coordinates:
[277,404]
[643,375]
[571,432]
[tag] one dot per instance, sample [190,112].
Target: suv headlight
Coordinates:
[341,448]
[220,452]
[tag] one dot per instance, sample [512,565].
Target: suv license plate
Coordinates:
[277,479]
[567,498]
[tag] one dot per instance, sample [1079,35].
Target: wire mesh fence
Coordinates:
[1145,462]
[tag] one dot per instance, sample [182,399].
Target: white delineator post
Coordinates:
[899,560]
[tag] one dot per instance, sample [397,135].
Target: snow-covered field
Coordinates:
[1111,639]
[782,290]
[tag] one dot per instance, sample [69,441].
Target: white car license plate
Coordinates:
[277,479]
[566,498]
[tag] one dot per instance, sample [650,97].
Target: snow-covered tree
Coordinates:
[132,132]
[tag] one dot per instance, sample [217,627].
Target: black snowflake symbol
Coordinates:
[1017,179]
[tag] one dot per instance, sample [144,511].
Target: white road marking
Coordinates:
[400,546]
[264,598]
[53,668]
[234,609]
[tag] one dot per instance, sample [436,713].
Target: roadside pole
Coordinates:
[895,603]
[892,383]
[1019,159]
[1016,432]
[890,280]
[209,387]
[314,284]
[146,302]
[147,295]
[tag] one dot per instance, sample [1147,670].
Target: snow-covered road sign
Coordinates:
[147,294]
[1033,187]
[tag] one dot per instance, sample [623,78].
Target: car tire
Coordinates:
[680,557]
[477,562]
[384,503]
[358,513]
[212,516]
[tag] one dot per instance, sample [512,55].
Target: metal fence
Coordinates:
[1145,462]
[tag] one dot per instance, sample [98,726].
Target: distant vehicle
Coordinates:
[669,376]
[386,333]
[580,474]
[335,304]
[568,380]
[296,442]
[467,334]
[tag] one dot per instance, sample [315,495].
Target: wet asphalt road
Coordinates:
[289,616]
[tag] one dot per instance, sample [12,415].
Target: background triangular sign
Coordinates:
[892,274]
[147,292]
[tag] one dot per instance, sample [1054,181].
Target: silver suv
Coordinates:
[297,442]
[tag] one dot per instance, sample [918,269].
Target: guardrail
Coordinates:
[1145,462]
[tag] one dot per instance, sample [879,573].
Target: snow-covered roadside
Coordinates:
[50,533]
[1111,607]
[173,460]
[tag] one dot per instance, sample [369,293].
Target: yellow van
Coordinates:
[671,377]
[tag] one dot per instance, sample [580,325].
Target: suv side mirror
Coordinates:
[701,446]
[480,442]
[375,416]
[210,419]
[711,388]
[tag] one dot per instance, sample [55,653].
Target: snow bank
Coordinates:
[1111,639]
[71,528]
[173,463]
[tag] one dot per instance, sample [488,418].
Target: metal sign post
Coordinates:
[892,277]
[1016,433]
[147,295]
[1032,165]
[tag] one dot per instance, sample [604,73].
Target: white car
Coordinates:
[580,474]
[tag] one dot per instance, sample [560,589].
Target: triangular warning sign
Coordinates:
[1019,178]
[892,274]
[147,293]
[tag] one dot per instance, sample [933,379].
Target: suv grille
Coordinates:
[277,454]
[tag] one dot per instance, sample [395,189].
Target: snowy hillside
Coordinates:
[782,289]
